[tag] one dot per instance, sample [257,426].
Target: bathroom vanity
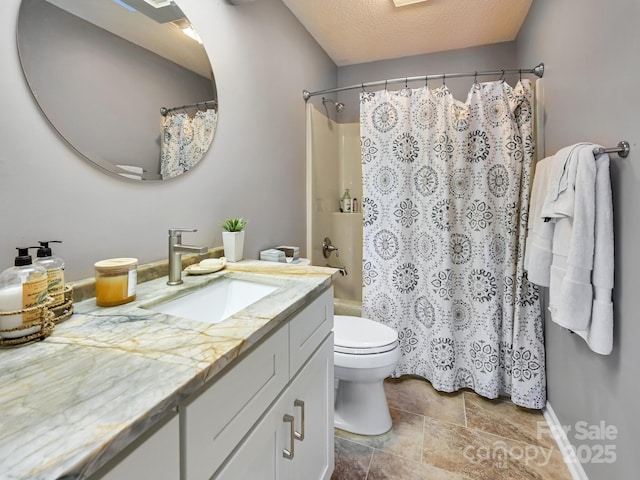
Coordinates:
[127,392]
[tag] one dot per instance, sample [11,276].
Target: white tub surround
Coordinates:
[106,376]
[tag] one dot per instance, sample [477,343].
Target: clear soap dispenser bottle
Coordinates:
[55,271]
[22,286]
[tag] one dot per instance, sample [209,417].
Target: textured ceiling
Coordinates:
[358,31]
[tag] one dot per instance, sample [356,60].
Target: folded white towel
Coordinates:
[599,334]
[559,198]
[537,253]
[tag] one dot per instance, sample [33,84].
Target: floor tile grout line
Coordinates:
[424,432]
[464,408]
[370,463]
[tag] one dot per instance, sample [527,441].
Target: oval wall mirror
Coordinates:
[127,83]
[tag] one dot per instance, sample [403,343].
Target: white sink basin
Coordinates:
[217,301]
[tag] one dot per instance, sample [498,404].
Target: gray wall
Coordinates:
[590,50]
[80,70]
[262,59]
[490,57]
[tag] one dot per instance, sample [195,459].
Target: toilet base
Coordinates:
[364,405]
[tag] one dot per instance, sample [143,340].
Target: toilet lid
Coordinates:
[357,335]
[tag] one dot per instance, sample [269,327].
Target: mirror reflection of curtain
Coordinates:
[185,140]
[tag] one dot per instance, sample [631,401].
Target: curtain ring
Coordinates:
[475,78]
[444,76]
[502,76]
[363,90]
[520,71]
[385,85]
[426,80]
[406,79]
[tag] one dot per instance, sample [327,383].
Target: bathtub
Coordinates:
[342,306]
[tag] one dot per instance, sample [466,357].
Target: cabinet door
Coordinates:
[217,419]
[154,455]
[260,455]
[311,394]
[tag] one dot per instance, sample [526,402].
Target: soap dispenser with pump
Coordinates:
[22,286]
[55,271]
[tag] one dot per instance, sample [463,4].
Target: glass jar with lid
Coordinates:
[116,281]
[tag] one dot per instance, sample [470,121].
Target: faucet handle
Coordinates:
[176,231]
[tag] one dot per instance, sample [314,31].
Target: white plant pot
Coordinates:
[233,243]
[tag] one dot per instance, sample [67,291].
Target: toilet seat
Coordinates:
[361,336]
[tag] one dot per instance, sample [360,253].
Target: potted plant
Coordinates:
[233,238]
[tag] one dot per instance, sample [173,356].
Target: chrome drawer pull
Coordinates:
[300,435]
[289,453]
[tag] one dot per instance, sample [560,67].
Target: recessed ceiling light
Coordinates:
[402,3]
[158,3]
[190,32]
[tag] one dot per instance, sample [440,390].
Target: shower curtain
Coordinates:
[446,195]
[185,140]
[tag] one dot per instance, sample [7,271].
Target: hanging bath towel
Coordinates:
[571,240]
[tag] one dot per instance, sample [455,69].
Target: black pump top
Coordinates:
[23,257]
[44,250]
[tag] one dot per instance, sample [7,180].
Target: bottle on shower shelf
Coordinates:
[345,202]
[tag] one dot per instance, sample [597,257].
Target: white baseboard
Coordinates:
[560,436]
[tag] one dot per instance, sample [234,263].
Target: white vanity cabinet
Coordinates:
[249,423]
[284,445]
[154,455]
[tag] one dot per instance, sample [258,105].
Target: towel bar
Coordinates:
[622,149]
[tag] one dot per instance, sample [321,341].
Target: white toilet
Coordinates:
[365,353]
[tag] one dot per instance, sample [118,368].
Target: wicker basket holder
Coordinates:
[63,310]
[45,320]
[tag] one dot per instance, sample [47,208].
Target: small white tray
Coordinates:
[210,266]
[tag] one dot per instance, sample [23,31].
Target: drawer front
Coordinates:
[217,419]
[309,328]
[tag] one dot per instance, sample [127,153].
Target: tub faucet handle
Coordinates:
[327,248]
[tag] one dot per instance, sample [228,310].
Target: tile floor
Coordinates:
[457,436]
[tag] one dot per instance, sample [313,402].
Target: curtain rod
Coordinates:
[538,71]
[164,110]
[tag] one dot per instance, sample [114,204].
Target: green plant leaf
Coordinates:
[235,224]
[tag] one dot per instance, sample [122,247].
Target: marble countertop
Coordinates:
[69,403]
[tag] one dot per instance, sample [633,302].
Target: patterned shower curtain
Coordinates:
[446,195]
[185,140]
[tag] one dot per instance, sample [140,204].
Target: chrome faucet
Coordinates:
[176,249]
